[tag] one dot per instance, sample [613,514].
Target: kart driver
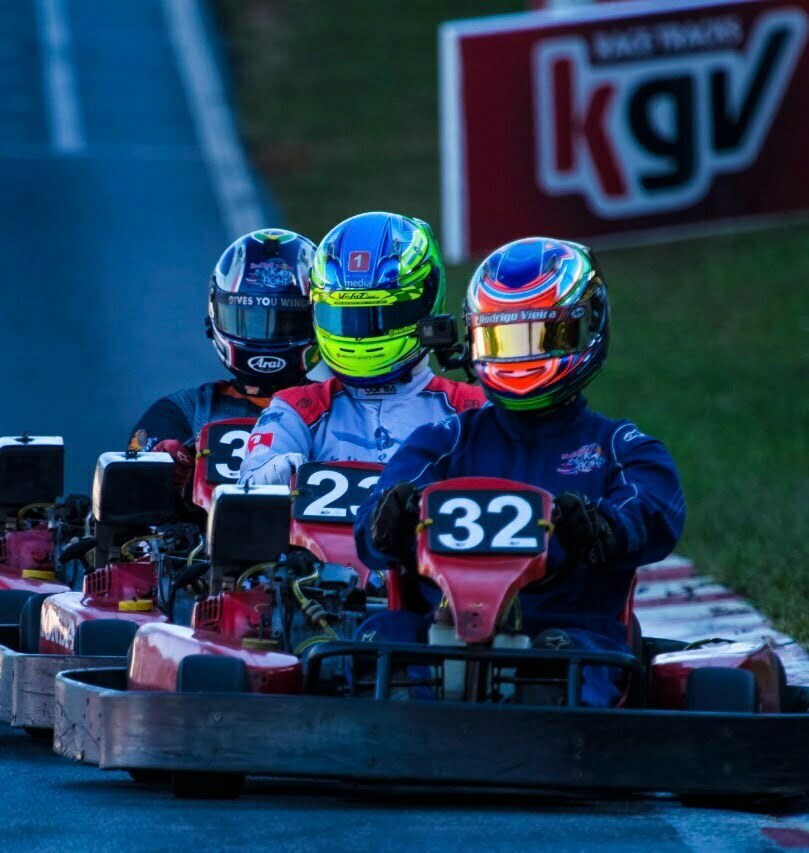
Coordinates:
[619,503]
[259,319]
[374,277]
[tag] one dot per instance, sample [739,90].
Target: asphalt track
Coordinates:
[117,193]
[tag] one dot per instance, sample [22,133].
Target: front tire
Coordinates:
[209,674]
[722,690]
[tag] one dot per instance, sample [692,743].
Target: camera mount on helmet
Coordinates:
[440,334]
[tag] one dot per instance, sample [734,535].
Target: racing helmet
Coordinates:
[538,322]
[259,316]
[374,277]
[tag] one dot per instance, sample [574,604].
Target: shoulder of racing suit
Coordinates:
[460,396]
[311,401]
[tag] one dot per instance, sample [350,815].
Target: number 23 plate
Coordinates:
[330,492]
[485,521]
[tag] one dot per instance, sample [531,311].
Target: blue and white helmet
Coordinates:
[259,316]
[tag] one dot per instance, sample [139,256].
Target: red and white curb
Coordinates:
[672,601]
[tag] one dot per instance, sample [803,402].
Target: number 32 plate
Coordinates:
[330,492]
[485,521]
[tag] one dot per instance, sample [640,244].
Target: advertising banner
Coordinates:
[623,122]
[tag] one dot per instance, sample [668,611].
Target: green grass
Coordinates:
[339,106]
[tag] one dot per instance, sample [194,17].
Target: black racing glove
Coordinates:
[581,529]
[393,521]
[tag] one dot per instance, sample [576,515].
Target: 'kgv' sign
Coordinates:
[624,121]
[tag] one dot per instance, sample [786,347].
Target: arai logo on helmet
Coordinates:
[266,363]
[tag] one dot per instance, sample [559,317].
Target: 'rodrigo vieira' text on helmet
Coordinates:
[374,277]
[259,315]
[538,320]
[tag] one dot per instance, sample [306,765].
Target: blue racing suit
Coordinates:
[626,473]
[333,421]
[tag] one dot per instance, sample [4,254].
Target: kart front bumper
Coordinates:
[27,684]
[429,742]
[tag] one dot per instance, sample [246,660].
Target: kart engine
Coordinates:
[314,601]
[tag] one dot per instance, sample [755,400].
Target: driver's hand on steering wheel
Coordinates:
[394,520]
[183,460]
[581,529]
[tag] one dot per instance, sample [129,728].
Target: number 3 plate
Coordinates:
[330,492]
[485,521]
[227,443]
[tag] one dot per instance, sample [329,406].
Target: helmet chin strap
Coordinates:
[254,390]
[537,414]
[419,367]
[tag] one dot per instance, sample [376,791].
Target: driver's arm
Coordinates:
[162,420]
[643,502]
[279,444]
[422,459]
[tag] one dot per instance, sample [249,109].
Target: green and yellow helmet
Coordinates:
[374,277]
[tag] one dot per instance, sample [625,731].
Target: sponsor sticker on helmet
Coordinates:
[266,363]
[362,297]
[359,261]
[271,275]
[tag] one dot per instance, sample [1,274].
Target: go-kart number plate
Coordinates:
[485,521]
[227,444]
[331,493]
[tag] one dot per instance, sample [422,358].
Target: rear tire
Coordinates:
[722,690]
[104,638]
[209,674]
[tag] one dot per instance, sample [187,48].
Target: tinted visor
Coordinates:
[259,318]
[516,341]
[372,321]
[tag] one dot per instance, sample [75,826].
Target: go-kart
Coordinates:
[141,557]
[131,492]
[284,576]
[475,706]
[36,522]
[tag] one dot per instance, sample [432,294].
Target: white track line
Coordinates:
[61,91]
[221,148]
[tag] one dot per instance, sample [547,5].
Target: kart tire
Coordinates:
[636,691]
[30,621]
[188,785]
[211,674]
[12,602]
[722,690]
[147,776]
[41,735]
[104,638]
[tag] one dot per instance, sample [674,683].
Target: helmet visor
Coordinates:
[370,321]
[257,318]
[519,339]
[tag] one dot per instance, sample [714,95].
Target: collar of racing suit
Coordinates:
[412,383]
[534,426]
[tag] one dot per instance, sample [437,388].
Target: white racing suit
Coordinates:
[332,421]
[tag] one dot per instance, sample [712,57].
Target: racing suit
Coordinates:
[333,421]
[628,475]
[180,416]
